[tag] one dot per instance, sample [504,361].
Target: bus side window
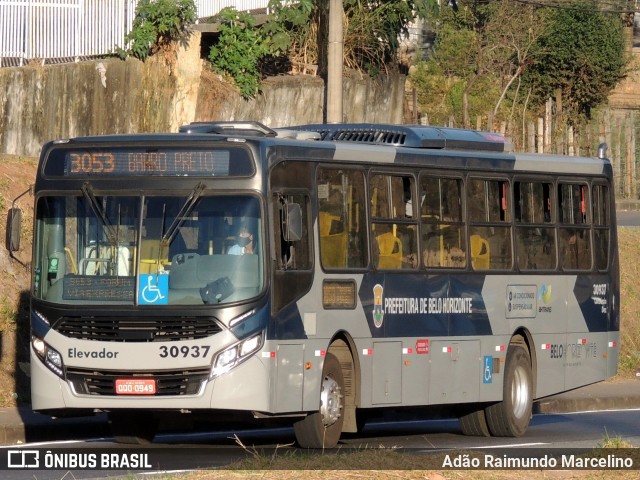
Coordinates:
[601,223]
[341,218]
[292,254]
[441,225]
[394,223]
[535,236]
[488,203]
[574,236]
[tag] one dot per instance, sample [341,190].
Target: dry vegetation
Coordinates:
[284,473]
[629,251]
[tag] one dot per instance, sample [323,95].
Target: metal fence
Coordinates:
[57,31]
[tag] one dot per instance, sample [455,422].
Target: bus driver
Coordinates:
[244,243]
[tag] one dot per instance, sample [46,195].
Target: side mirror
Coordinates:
[292,222]
[14,227]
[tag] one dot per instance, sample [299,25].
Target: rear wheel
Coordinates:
[133,427]
[322,429]
[510,417]
[474,423]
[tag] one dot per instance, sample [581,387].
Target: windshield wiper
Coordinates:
[99,212]
[188,205]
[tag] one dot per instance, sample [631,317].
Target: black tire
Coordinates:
[323,428]
[362,417]
[474,423]
[134,428]
[510,417]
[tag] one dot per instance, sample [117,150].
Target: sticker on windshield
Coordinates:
[153,290]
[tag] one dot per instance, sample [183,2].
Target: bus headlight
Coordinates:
[49,356]
[236,354]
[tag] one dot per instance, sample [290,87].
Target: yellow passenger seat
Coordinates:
[333,241]
[390,251]
[480,253]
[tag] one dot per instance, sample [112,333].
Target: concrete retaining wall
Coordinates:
[114,96]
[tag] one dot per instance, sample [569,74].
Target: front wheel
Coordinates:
[322,429]
[510,417]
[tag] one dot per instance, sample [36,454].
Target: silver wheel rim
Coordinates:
[520,392]
[330,401]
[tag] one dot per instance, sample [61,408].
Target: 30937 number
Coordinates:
[184,351]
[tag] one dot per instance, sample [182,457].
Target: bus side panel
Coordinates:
[534,304]
[586,350]
[456,371]
[387,373]
[416,371]
[613,353]
[290,378]
[551,376]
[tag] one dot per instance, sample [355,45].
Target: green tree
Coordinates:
[509,56]
[158,23]
[371,34]
[442,80]
[484,47]
[582,54]
[371,29]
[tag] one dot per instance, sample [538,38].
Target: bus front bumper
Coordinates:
[245,387]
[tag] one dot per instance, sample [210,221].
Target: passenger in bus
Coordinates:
[244,243]
[443,255]
[443,245]
[410,261]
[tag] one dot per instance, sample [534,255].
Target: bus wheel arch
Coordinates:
[510,417]
[339,396]
[322,428]
[344,348]
[523,337]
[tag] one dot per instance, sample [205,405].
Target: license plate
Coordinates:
[135,386]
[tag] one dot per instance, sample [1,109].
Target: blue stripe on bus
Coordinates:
[593,293]
[412,305]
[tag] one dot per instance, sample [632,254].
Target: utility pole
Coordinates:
[335,62]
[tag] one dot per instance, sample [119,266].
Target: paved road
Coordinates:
[628,218]
[548,434]
[558,425]
[21,425]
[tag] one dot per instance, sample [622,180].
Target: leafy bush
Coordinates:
[157,23]
[371,31]
[238,50]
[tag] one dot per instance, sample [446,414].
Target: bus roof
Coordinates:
[412,136]
[383,142]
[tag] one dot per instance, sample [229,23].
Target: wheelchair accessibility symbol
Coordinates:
[153,290]
[487,376]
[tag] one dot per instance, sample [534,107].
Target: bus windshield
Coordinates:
[148,250]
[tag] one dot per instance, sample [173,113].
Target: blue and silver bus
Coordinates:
[318,272]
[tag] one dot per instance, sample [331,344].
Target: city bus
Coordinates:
[317,273]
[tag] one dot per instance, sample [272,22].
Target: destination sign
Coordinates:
[210,163]
[144,161]
[98,288]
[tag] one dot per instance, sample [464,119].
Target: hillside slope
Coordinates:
[16,175]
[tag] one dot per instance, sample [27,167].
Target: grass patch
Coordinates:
[8,315]
[613,442]
[629,252]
